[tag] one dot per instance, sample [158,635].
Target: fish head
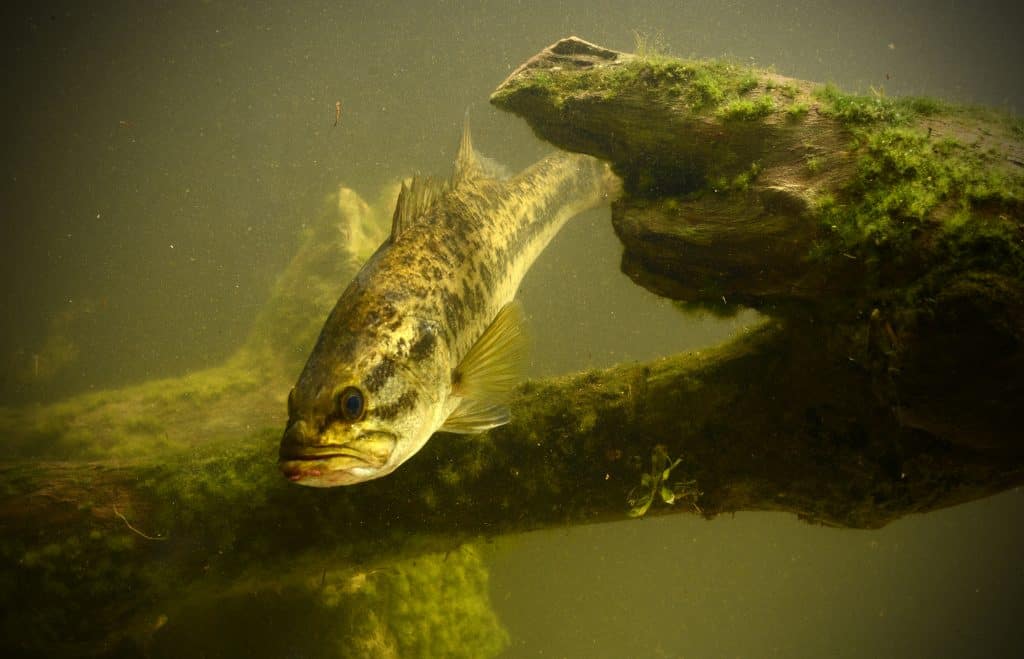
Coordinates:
[358,416]
[335,452]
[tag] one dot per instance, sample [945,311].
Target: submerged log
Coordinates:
[896,224]
[761,424]
[114,553]
[728,168]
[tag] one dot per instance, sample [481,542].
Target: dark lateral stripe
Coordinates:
[424,345]
[379,374]
[453,313]
[405,402]
[485,275]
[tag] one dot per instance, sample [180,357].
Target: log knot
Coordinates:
[576,46]
[569,54]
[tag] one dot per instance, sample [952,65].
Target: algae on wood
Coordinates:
[147,520]
[897,225]
[752,430]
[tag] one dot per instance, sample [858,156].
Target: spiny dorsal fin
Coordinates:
[414,200]
[488,373]
[466,165]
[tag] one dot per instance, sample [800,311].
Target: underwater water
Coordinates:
[163,166]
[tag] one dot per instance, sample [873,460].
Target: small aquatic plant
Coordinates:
[655,484]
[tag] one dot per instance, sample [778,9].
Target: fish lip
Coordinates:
[333,465]
[296,452]
[320,470]
[309,455]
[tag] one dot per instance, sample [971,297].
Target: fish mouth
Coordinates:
[304,455]
[361,459]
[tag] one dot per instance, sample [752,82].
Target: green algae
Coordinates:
[905,182]
[797,110]
[197,521]
[914,196]
[741,182]
[699,85]
[189,486]
[786,89]
[743,109]
[858,109]
[436,605]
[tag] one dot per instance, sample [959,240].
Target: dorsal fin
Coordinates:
[466,164]
[414,200]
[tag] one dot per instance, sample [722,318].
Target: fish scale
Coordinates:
[426,336]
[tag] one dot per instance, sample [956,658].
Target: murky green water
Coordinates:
[160,163]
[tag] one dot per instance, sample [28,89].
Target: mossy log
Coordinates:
[896,224]
[103,554]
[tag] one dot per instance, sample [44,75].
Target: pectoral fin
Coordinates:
[488,373]
[472,417]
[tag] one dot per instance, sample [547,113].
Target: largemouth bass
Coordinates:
[427,336]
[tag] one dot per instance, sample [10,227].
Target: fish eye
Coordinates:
[351,404]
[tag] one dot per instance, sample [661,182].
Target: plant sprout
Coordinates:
[655,483]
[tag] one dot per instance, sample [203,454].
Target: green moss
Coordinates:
[923,106]
[813,164]
[905,179]
[435,605]
[747,109]
[787,90]
[854,109]
[143,426]
[706,88]
[119,542]
[450,476]
[991,245]
[66,578]
[165,415]
[739,183]
[747,83]
[699,85]
[797,110]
